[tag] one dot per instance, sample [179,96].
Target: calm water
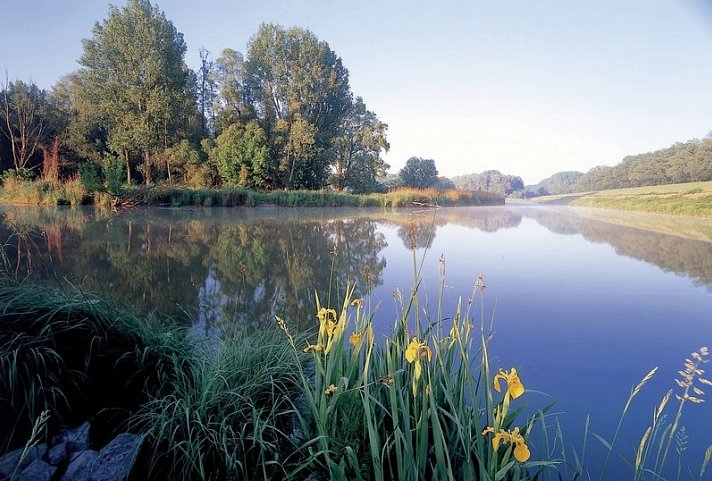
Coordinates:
[585,302]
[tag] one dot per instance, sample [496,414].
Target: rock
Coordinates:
[117,458]
[80,465]
[77,439]
[9,462]
[57,454]
[37,470]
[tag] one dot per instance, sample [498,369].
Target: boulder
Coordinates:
[57,454]
[77,439]
[11,463]
[80,466]
[117,458]
[37,470]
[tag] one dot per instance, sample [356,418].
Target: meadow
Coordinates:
[692,199]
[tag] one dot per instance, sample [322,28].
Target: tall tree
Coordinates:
[207,92]
[300,91]
[135,78]
[232,103]
[357,149]
[419,173]
[24,111]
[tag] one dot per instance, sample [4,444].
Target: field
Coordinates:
[694,199]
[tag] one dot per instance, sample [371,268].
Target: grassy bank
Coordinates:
[694,199]
[19,191]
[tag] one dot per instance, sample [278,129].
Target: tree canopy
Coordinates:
[419,173]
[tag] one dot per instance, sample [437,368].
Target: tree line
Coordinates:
[682,162]
[282,116]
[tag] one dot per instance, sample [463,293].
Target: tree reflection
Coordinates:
[213,271]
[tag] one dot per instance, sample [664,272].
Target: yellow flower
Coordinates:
[515,388]
[314,347]
[355,338]
[330,390]
[521,451]
[324,314]
[413,351]
[357,302]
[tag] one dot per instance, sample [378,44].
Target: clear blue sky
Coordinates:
[527,88]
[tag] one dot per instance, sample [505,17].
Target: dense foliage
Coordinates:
[559,183]
[682,162]
[490,181]
[282,116]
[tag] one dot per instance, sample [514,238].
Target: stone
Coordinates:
[37,470]
[117,458]
[80,465]
[9,462]
[77,439]
[57,454]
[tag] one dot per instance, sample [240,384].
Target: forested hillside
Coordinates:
[682,162]
[490,181]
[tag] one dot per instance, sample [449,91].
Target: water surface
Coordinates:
[584,302]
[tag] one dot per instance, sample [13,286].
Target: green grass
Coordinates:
[693,199]
[78,357]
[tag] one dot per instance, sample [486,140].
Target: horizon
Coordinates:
[528,90]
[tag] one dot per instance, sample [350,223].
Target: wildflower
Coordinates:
[413,351]
[355,338]
[324,314]
[357,302]
[521,451]
[314,347]
[515,388]
[330,390]
[413,354]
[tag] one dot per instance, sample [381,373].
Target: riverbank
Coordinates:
[692,199]
[18,191]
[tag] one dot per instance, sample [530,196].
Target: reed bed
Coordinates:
[71,192]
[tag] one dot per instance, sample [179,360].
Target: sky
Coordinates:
[526,88]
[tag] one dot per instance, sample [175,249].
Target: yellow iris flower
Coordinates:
[330,390]
[521,451]
[355,338]
[515,388]
[413,351]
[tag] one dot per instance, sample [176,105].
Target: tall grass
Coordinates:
[16,190]
[423,403]
[229,413]
[77,357]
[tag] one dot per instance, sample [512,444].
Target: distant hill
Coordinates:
[690,161]
[682,162]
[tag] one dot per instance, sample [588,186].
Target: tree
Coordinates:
[242,157]
[136,82]
[419,173]
[232,103]
[206,92]
[24,111]
[300,93]
[357,150]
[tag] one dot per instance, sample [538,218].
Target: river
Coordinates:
[583,302]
